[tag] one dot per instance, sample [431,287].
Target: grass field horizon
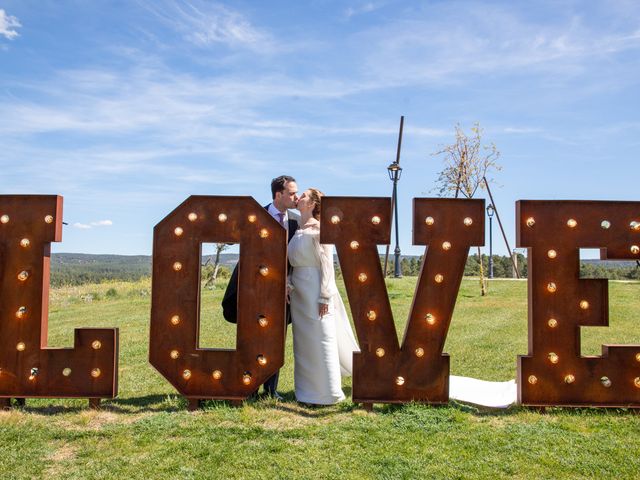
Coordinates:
[146,432]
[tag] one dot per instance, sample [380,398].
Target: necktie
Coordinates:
[281,219]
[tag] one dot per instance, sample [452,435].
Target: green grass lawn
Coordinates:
[147,433]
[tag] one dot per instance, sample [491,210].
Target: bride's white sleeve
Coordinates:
[328,286]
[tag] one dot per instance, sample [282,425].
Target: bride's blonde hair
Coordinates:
[315,195]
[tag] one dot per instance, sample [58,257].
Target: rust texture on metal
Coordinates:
[28,368]
[560,302]
[199,373]
[417,370]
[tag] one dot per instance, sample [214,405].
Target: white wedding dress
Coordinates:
[322,346]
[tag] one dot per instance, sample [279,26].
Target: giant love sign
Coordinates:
[553,373]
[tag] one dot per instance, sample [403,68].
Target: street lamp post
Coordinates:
[490,212]
[395,171]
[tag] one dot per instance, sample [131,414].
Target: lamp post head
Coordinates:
[490,210]
[395,170]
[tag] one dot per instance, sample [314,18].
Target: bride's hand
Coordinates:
[323,309]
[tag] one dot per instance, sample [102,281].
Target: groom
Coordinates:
[284,192]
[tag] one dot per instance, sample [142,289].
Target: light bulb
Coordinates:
[4,219]
[380,352]
[531,222]
[553,323]
[584,305]
[375,219]
[24,243]
[262,360]
[48,219]
[468,221]
[335,219]
[419,352]
[446,246]
[606,382]
[175,320]
[354,245]
[429,221]
[553,357]
[21,346]
[634,225]
[551,287]
[175,354]
[605,224]
[192,217]
[264,270]
[532,379]
[637,357]
[439,278]
[186,374]
[246,378]
[552,254]
[635,249]
[636,382]
[362,277]
[431,320]
[177,266]
[262,321]
[371,315]
[399,381]
[23,275]
[252,219]
[96,345]
[22,311]
[217,374]
[222,218]
[178,231]
[572,223]
[264,233]
[569,378]
[95,373]
[66,372]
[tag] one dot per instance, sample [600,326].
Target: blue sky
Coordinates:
[127,107]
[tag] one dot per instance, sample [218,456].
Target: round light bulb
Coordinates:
[246,378]
[584,304]
[572,223]
[22,311]
[186,374]
[380,352]
[48,219]
[335,219]
[569,378]
[606,382]
[431,320]
[439,278]
[635,249]
[552,254]
[553,357]
[21,347]
[419,352]
[264,270]
[177,266]
[551,287]
[95,373]
[553,323]
[252,219]
[531,222]
[468,221]
[636,382]
[66,372]
[635,225]
[217,374]
[262,321]
[222,218]
[375,219]
[175,354]
[23,275]
[446,245]
[192,217]
[354,245]
[175,320]
[637,357]
[399,381]
[178,231]
[24,243]
[362,277]
[96,345]
[605,224]
[371,315]
[264,233]
[429,221]
[4,219]
[532,379]
[262,360]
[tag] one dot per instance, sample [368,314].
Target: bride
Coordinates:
[323,341]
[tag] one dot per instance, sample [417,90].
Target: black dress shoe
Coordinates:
[275,395]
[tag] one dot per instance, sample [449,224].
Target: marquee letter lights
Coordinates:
[201,373]
[28,368]
[554,372]
[384,371]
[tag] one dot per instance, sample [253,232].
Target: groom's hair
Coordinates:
[278,183]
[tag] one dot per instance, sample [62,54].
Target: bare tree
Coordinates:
[212,274]
[467,162]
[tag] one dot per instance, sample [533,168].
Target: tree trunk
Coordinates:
[483,281]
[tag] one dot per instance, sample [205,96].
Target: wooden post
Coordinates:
[94,403]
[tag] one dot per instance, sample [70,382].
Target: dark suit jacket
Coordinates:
[230,299]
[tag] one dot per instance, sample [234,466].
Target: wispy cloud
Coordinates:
[366,7]
[8,24]
[87,226]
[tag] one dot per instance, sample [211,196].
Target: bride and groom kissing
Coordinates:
[323,341]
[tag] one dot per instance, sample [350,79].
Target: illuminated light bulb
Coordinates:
[23,275]
[446,246]
[532,379]
[262,360]
[637,357]
[222,218]
[439,278]
[584,304]
[553,323]
[192,217]
[606,382]
[246,378]
[95,373]
[636,382]
[21,346]
[186,374]
[217,374]
[371,315]
[553,357]
[380,352]
[399,381]
[419,352]
[569,379]
[96,345]
[551,287]
[22,311]
[24,243]
[175,320]
[48,219]
[175,354]
[178,231]
[431,320]
[4,219]
[375,219]
[429,221]
[468,221]
[252,219]
[362,277]
[262,321]
[335,219]
[177,266]
[531,222]
[572,223]
[34,373]
[354,245]
[66,372]
[264,233]
[552,254]
[264,271]
[634,225]
[605,224]
[635,249]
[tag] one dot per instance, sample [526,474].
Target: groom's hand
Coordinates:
[323,309]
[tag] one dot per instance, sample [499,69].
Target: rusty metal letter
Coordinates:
[199,373]
[384,371]
[28,368]
[554,372]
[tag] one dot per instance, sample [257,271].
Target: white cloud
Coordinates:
[8,24]
[82,226]
[362,9]
[87,226]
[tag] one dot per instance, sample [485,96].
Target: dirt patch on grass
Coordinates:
[64,453]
